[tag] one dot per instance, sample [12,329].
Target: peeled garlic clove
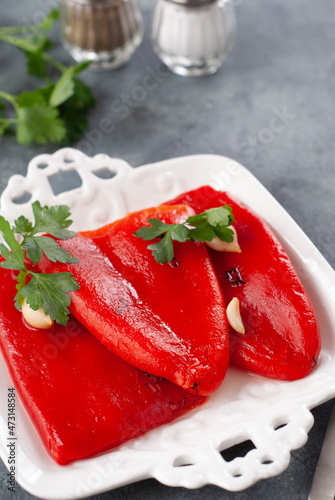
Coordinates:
[234,315]
[225,246]
[37,319]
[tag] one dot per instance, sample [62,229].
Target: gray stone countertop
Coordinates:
[283,64]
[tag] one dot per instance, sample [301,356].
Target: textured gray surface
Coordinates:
[283,65]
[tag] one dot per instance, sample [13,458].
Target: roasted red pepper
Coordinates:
[282,338]
[81,397]
[168,320]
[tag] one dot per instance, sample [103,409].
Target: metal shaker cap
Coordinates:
[93,2]
[192,3]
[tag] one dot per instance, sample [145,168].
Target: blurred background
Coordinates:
[282,64]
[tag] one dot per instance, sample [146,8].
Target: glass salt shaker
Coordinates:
[106,32]
[193,37]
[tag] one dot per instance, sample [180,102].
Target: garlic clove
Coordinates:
[234,315]
[225,246]
[37,319]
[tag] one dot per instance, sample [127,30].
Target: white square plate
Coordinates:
[275,415]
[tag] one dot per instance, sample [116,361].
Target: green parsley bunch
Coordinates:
[56,112]
[46,290]
[212,223]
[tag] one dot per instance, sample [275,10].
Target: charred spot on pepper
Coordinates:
[195,387]
[124,306]
[315,362]
[174,262]
[235,277]
[152,383]
[152,377]
[154,389]
[176,405]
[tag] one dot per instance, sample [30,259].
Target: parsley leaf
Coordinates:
[149,233]
[221,216]
[38,245]
[82,98]
[23,226]
[27,44]
[36,65]
[65,87]
[55,113]
[14,259]
[74,112]
[49,20]
[37,120]
[39,123]
[49,291]
[163,250]
[202,227]
[4,125]
[20,282]
[53,220]
[28,99]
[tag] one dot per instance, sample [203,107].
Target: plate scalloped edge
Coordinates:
[274,415]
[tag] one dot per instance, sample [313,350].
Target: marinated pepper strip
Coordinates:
[82,398]
[282,338]
[167,320]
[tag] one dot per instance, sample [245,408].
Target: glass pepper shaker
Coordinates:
[106,32]
[193,37]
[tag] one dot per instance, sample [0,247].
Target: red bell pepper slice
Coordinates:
[167,320]
[282,338]
[81,397]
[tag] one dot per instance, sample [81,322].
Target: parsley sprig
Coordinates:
[202,227]
[47,290]
[56,112]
